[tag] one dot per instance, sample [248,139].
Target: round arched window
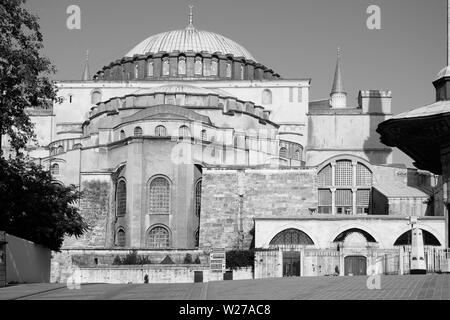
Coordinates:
[158,237]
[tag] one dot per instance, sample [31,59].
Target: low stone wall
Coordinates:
[96,266]
[155,273]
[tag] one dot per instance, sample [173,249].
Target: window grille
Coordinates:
[324,177]
[121,198]
[344,173]
[121,240]
[54,169]
[363,175]
[160,131]
[198,198]
[344,198]
[159,196]
[158,237]
[138,132]
[283,153]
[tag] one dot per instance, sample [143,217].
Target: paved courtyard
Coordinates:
[436,287]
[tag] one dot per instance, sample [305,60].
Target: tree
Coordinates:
[24,72]
[34,207]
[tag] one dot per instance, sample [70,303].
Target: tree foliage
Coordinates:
[35,208]
[24,72]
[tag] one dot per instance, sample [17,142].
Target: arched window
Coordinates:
[138,132]
[428,239]
[158,237]
[77,146]
[60,150]
[214,67]
[54,169]
[159,197]
[291,237]
[184,131]
[204,135]
[228,70]
[242,73]
[182,65]
[160,131]
[120,238]
[297,155]
[198,197]
[267,97]
[136,71]
[122,135]
[150,69]
[165,68]
[197,237]
[352,193]
[96,97]
[283,152]
[198,66]
[121,198]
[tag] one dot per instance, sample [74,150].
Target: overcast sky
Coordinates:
[296,38]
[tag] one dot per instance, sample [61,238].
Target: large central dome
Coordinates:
[190,40]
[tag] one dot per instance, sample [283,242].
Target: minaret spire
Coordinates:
[86,72]
[338,95]
[338,84]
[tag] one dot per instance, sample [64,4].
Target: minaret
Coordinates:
[338,95]
[86,74]
[442,84]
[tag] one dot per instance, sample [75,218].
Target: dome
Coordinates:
[190,40]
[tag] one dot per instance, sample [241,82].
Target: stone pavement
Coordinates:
[420,287]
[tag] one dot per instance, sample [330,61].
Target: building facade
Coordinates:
[189,143]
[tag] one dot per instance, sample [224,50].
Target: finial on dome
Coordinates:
[191,16]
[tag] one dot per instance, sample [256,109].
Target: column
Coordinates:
[333,201]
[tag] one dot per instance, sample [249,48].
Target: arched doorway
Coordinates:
[355,266]
[291,259]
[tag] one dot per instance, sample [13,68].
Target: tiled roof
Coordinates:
[433,109]
[393,191]
[190,40]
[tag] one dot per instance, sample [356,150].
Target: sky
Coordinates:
[296,38]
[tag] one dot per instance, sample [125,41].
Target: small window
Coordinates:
[158,237]
[283,152]
[267,97]
[60,150]
[214,67]
[182,66]
[121,240]
[228,70]
[136,71]
[160,131]
[291,95]
[204,135]
[138,132]
[297,155]
[300,95]
[198,198]
[122,135]
[166,69]
[242,73]
[150,69]
[96,97]
[70,98]
[184,131]
[121,198]
[198,66]
[77,146]
[54,169]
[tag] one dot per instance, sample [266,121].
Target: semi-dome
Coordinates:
[190,40]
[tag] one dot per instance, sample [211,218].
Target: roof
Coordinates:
[433,109]
[393,191]
[190,40]
[338,84]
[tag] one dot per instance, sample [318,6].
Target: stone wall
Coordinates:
[94,207]
[65,261]
[231,199]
